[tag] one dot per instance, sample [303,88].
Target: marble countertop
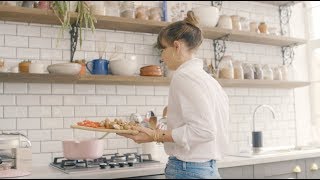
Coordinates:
[46,171]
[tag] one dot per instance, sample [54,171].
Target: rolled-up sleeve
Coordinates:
[197,114]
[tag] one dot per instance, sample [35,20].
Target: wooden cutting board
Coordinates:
[105,130]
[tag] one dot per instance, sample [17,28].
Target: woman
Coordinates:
[198,110]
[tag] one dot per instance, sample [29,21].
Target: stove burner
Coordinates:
[107,161]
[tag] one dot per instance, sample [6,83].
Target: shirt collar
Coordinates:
[194,63]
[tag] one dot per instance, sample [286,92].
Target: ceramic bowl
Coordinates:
[124,67]
[208,16]
[64,68]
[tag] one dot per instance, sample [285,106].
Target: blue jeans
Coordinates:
[177,169]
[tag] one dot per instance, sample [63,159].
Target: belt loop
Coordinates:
[211,163]
[184,165]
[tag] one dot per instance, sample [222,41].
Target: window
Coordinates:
[313,13]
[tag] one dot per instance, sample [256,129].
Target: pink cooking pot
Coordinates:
[86,149]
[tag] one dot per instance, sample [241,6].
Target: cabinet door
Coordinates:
[280,170]
[312,166]
[239,172]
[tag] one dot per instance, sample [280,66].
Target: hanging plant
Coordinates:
[85,19]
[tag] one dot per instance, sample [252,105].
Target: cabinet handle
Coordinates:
[297,169]
[314,167]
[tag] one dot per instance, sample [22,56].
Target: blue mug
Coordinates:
[98,66]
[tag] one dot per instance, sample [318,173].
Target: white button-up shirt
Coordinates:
[198,115]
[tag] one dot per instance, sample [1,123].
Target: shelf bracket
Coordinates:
[288,54]
[74,39]
[217,4]
[285,15]
[219,46]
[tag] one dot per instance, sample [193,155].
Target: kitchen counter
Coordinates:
[47,171]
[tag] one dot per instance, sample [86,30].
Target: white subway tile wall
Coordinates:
[45,111]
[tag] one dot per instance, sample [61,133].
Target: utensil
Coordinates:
[104,136]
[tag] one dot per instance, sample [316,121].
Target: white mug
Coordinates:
[36,68]
[15,69]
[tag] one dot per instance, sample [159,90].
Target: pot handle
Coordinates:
[20,134]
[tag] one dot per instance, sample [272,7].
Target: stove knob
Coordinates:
[103,165]
[121,164]
[130,164]
[112,165]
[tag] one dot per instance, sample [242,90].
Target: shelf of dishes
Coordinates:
[146,20]
[137,80]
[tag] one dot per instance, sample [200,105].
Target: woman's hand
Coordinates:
[145,135]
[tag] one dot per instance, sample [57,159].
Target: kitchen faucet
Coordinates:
[260,106]
[257,135]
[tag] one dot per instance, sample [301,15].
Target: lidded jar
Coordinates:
[127,9]
[258,72]
[238,70]
[277,75]
[236,25]
[267,72]
[155,14]
[225,68]
[248,71]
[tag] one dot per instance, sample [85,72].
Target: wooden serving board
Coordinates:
[105,130]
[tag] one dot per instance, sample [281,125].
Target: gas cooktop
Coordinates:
[107,162]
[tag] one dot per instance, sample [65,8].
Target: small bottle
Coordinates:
[263,28]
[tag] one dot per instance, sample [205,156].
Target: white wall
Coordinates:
[45,111]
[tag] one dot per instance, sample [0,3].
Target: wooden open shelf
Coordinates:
[137,80]
[279,3]
[33,15]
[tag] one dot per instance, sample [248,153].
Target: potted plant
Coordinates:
[85,19]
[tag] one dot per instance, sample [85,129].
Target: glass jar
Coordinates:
[142,13]
[155,14]
[225,68]
[98,8]
[277,75]
[238,70]
[267,72]
[236,25]
[248,71]
[244,24]
[284,72]
[254,27]
[258,72]
[112,8]
[44,5]
[127,9]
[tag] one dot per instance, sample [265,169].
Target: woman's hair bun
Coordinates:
[192,19]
